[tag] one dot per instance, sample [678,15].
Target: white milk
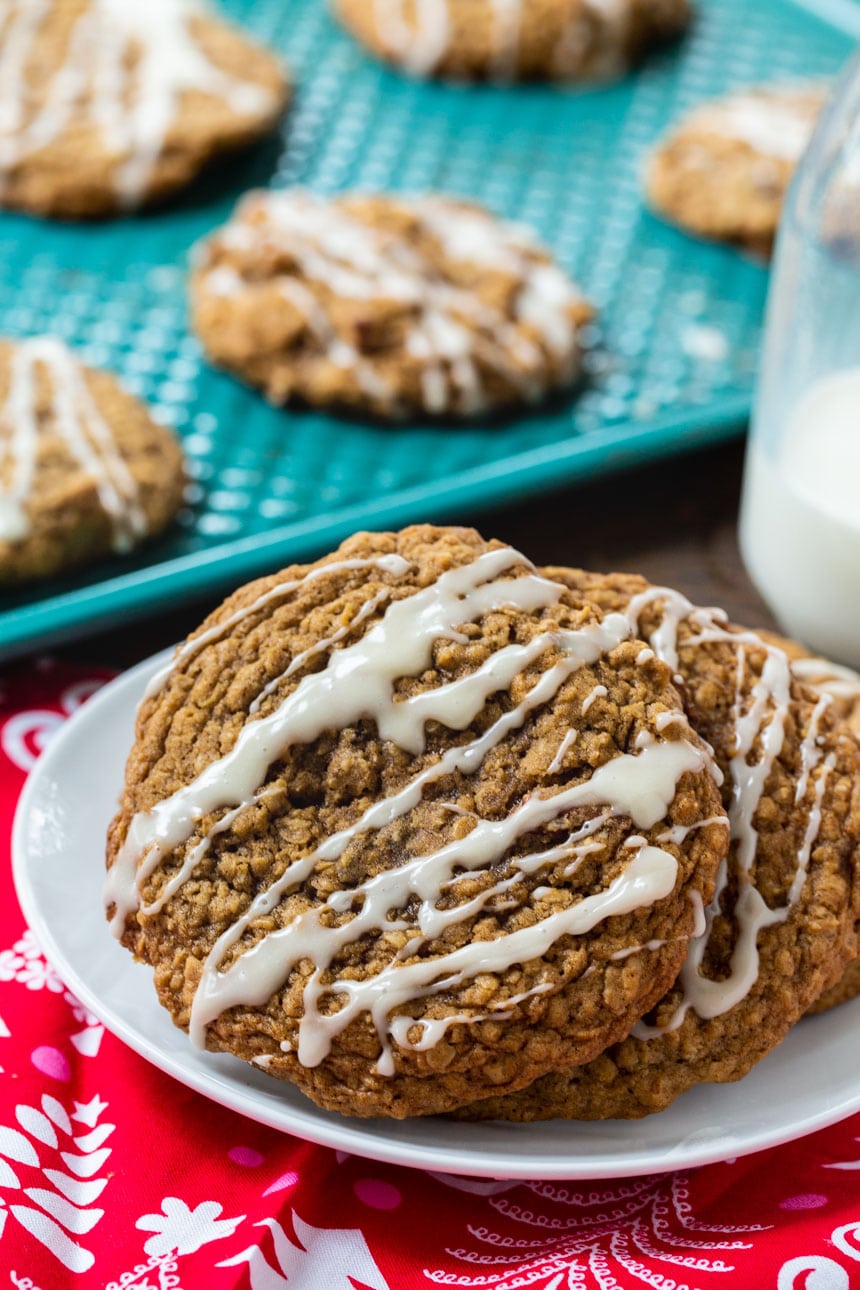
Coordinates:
[800,519]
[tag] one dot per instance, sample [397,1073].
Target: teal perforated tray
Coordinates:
[271,485]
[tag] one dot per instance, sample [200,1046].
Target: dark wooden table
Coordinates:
[674,522]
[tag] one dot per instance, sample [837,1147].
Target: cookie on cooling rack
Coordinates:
[84,469]
[95,116]
[411,824]
[388,306]
[528,39]
[782,924]
[724,170]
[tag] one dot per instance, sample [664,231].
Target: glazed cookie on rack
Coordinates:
[782,925]
[724,170]
[411,824]
[106,105]
[390,306]
[84,470]
[509,39]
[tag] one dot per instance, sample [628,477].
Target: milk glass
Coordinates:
[800,512]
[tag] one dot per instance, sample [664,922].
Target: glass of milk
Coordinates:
[800,512]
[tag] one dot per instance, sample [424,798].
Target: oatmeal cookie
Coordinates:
[96,117]
[843,685]
[84,470]
[388,306]
[411,824]
[723,172]
[781,926]
[571,40]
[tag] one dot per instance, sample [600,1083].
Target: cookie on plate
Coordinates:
[389,306]
[842,684]
[574,40]
[724,170]
[84,470]
[412,824]
[96,117]
[782,924]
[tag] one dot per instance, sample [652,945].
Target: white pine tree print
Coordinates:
[336,1258]
[65,1209]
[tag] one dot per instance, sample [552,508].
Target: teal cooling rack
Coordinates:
[673,357]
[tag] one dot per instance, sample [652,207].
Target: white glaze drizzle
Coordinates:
[649,946]
[777,122]
[132,108]
[699,923]
[449,331]
[77,420]
[695,898]
[666,719]
[434,1029]
[599,692]
[567,742]
[358,682]
[678,833]
[759,719]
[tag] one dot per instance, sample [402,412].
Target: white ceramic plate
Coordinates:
[58,851]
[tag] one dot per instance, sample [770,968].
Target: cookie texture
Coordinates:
[782,925]
[573,40]
[723,172]
[410,824]
[84,469]
[96,117]
[845,989]
[388,306]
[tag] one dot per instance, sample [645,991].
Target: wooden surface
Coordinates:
[674,522]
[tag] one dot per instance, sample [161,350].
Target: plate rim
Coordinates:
[315,1125]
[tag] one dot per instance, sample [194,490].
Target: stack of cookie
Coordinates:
[421,828]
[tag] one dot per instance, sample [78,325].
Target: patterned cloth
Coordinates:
[113,1176]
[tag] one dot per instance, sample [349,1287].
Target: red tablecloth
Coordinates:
[112,1175]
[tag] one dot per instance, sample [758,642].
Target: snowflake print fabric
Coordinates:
[113,1177]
